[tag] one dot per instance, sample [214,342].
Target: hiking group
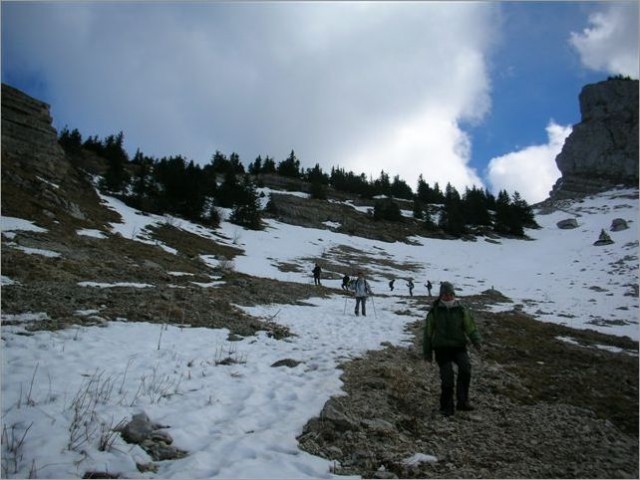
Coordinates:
[449,327]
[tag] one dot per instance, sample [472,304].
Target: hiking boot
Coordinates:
[465,407]
[447,412]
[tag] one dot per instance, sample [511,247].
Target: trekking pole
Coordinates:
[345,305]
[375,314]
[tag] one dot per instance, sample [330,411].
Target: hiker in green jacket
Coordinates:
[449,323]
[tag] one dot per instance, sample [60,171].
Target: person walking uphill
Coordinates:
[361,290]
[410,285]
[316,274]
[448,326]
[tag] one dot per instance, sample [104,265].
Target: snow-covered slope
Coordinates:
[560,276]
[241,420]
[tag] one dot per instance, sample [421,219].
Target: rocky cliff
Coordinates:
[37,176]
[28,136]
[602,150]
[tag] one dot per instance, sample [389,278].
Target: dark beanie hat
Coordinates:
[446,287]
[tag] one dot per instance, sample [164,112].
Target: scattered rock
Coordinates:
[334,413]
[618,224]
[157,443]
[287,362]
[567,224]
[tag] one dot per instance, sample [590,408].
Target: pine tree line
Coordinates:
[175,185]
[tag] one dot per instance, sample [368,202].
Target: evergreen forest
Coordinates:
[175,185]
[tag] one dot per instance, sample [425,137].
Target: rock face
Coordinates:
[602,150]
[28,136]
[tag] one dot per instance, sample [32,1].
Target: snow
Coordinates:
[419,458]
[47,182]
[36,251]
[180,274]
[12,224]
[24,318]
[240,419]
[4,280]
[88,232]
[114,285]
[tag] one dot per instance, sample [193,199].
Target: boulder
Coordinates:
[603,239]
[333,412]
[567,224]
[157,443]
[618,224]
[599,243]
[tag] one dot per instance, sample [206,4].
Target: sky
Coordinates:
[246,425]
[471,93]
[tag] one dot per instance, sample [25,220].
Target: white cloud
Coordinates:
[334,81]
[431,144]
[610,44]
[531,171]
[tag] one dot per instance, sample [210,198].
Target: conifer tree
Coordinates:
[71,142]
[290,167]
[429,224]
[256,167]
[318,190]
[474,207]
[247,211]
[116,175]
[387,209]
[220,163]
[230,191]
[523,211]
[452,219]
[236,164]
[504,222]
[269,165]
[418,212]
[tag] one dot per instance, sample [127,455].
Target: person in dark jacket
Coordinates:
[316,274]
[448,328]
[391,282]
[410,285]
[345,282]
[429,286]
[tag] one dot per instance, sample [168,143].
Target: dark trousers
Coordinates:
[363,301]
[316,280]
[446,357]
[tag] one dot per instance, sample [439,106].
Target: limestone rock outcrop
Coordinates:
[37,175]
[602,150]
[28,136]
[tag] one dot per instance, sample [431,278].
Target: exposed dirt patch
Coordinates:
[312,213]
[545,408]
[192,245]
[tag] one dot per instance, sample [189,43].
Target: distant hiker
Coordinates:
[345,282]
[391,284]
[410,285]
[361,290]
[448,325]
[316,274]
[429,286]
